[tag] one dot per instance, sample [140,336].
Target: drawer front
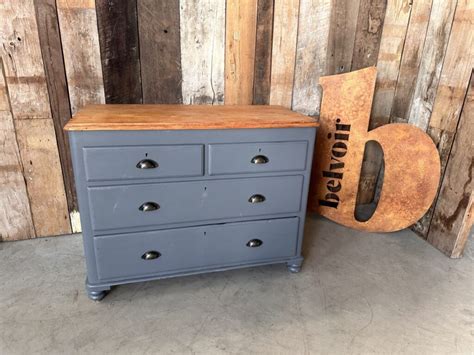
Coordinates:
[143,162]
[124,255]
[257,157]
[192,201]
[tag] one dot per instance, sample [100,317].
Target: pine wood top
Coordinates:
[180,117]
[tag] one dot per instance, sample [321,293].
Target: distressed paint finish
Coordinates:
[342,35]
[241,22]
[263,52]
[118,34]
[411,58]
[311,49]
[388,64]
[285,29]
[51,49]
[370,22]
[22,60]
[453,213]
[202,51]
[431,63]
[410,181]
[80,39]
[454,78]
[15,214]
[30,106]
[160,53]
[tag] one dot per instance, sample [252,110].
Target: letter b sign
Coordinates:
[412,165]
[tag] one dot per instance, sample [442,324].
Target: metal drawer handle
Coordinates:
[150,255]
[147,164]
[259,159]
[254,243]
[149,206]
[256,198]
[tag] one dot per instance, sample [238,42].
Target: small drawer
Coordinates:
[135,206]
[143,162]
[181,250]
[257,157]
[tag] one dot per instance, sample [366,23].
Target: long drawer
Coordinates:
[141,254]
[167,203]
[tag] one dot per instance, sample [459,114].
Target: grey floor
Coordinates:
[357,293]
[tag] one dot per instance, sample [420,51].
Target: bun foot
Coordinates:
[96,295]
[294,266]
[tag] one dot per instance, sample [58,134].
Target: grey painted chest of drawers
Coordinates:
[169,190]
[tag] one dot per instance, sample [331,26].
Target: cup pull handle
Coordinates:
[254,243]
[149,206]
[256,198]
[259,159]
[150,255]
[147,164]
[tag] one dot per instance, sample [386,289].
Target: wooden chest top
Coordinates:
[185,117]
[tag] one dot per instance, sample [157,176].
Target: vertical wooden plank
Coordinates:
[241,22]
[311,53]
[160,52]
[118,35]
[388,64]
[388,61]
[453,213]
[202,51]
[80,39]
[15,214]
[454,78]
[263,53]
[342,35]
[434,49]
[51,50]
[411,57]
[449,98]
[25,78]
[285,29]
[368,33]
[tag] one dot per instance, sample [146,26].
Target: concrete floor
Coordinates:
[357,293]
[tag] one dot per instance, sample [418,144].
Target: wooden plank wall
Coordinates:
[59,55]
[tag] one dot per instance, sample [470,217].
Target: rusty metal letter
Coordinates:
[412,164]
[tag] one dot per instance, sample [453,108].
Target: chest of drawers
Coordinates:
[169,190]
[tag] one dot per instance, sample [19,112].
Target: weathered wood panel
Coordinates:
[160,51]
[42,171]
[28,93]
[15,214]
[263,53]
[311,54]
[388,64]
[453,214]
[388,61]
[202,51]
[285,29]
[415,38]
[118,35]
[454,79]
[241,22]
[449,97]
[51,49]
[342,35]
[368,33]
[80,39]
[434,49]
